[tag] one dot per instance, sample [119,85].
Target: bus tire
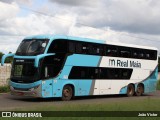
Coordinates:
[139,90]
[67,93]
[130,90]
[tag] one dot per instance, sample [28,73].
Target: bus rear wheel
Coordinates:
[140,90]
[130,90]
[67,93]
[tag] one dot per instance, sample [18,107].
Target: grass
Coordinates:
[145,104]
[4,89]
[158,85]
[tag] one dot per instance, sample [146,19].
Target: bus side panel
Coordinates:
[47,88]
[60,81]
[83,60]
[84,85]
[151,82]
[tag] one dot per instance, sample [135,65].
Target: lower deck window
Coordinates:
[78,72]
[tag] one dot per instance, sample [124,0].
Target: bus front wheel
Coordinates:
[67,93]
[130,90]
[140,90]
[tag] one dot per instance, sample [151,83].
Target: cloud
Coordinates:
[117,19]
[136,16]
[8,11]
[32,24]
[75,2]
[27,2]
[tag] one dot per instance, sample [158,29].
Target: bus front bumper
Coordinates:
[32,92]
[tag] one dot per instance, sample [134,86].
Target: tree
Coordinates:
[159,64]
[8,60]
[1,54]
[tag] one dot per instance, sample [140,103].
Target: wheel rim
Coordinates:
[130,90]
[139,90]
[66,93]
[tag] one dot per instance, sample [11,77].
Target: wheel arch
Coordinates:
[142,86]
[72,86]
[132,84]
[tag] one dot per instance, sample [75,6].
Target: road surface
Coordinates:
[9,102]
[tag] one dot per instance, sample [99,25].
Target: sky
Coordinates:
[127,21]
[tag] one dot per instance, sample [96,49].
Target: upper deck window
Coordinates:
[58,46]
[32,47]
[90,48]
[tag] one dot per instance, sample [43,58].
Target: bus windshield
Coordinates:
[32,47]
[24,71]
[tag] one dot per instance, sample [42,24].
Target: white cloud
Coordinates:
[76,2]
[137,16]
[120,19]
[8,11]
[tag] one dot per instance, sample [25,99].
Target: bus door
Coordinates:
[50,68]
[47,88]
[104,82]
[47,83]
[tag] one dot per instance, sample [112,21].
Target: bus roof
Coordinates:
[52,37]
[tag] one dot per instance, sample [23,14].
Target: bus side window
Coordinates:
[93,73]
[78,47]
[103,73]
[85,48]
[147,55]
[95,49]
[111,51]
[126,74]
[112,74]
[79,73]
[84,73]
[135,54]
[71,47]
[153,55]
[58,46]
[141,55]
[125,52]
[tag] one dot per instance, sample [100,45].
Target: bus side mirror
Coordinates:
[38,57]
[4,58]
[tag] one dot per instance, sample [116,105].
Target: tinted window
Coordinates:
[52,65]
[79,47]
[96,49]
[124,52]
[153,55]
[24,71]
[58,46]
[71,47]
[78,72]
[111,51]
[32,47]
